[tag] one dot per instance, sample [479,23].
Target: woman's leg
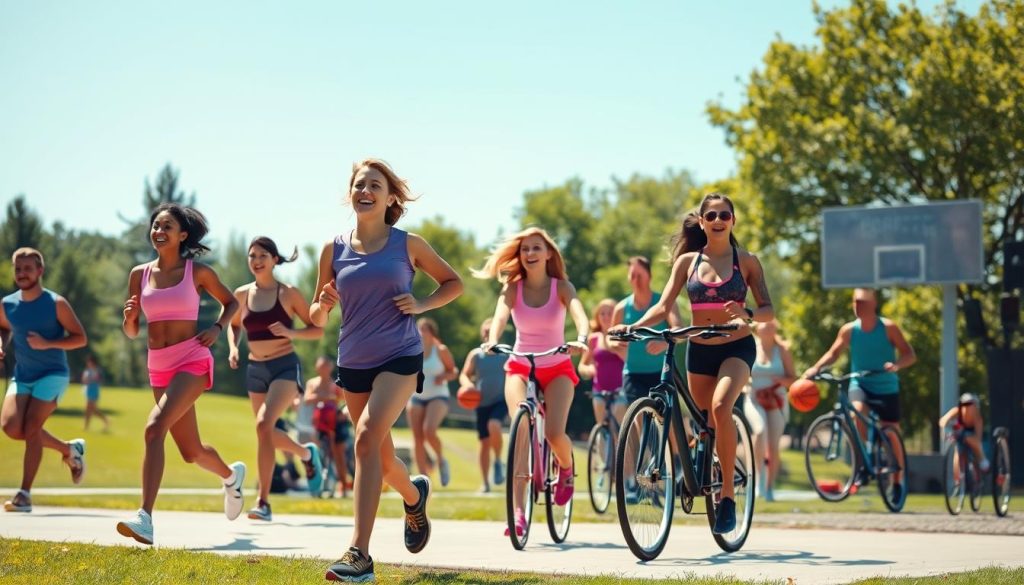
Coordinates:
[415,413]
[433,416]
[268,408]
[775,425]
[733,374]
[557,400]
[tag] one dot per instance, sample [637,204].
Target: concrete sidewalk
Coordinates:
[809,556]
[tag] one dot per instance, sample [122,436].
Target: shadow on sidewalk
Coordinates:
[460,578]
[245,545]
[769,557]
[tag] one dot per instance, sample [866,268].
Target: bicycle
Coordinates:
[838,459]
[961,474]
[329,474]
[1001,485]
[646,480]
[532,467]
[601,454]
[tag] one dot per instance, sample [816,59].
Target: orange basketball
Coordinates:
[804,395]
[468,397]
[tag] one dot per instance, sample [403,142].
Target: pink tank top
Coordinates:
[539,328]
[175,303]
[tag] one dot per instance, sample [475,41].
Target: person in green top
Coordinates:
[874,343]
[643,361]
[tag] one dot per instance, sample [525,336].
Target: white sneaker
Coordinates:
[233,501]
[76,460]
[140,527]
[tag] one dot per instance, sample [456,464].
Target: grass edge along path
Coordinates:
[38,563]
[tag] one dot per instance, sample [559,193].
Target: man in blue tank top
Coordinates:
[874,342]
[642,369]
[40,325]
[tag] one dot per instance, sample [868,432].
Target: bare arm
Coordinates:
[325,296]
[618,316]
[759,287]
[75,337]
[422,256]
[132,307]
[660,310]
[788,369]
[296,305]
[451,372]
[906,353]
[5,330]
[502,312]
[586,367]
[209,281]
[468,375]
[947,417]
[235,327]
[567,293]
[838,347]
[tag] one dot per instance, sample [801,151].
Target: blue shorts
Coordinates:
[48,388]
[92,392]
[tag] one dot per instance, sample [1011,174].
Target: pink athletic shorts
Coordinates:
[546,374]
[188,356]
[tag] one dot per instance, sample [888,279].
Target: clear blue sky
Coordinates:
[263,106]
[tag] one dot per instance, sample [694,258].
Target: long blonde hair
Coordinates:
[504,264]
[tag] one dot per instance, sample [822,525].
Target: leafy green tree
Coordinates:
[22,227]
[166,190]
[569,216]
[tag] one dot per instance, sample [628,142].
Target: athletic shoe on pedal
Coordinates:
[445,472]
[520,523]
[140,527]
[21,502]
[314,470]
[261,511]
[76,460]
[499,472]
[725,516]
[353,567]
[233,491]
[417,525]
[565,486]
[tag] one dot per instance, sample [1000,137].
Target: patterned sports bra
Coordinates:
[714,295]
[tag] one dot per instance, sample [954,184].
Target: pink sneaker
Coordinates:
[565,486]
[520,523]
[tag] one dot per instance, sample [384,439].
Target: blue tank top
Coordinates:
[638,361]
[490,377]
[870,350]
[39,315]
[373,330]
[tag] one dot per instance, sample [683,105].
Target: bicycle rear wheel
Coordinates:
[831,457]
[519,485]
[559,517]
[953,475]
[974,482]
[743,482]
[643,481]
[600,458]
[888,468]
[1001,475]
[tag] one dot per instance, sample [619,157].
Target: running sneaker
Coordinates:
[140,527]
[725,516]
[499,472]
[76,460]
[417,525]
[314,470]
[21,502]
[520,523]
[565,486]
[233,491]
[769,494]
[445,472]
[485,489]
[261,511]
[353,567]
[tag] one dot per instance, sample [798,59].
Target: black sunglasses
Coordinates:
[713,215]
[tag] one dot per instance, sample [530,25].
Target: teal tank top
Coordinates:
[638,361]
[870,350]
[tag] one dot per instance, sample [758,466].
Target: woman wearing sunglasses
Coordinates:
[707,260]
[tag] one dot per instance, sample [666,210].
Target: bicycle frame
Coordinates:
[844,408]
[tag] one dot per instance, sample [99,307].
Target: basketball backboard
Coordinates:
[934,243]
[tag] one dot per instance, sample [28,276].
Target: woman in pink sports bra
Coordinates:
[707,260]
[167,290]
[536,294]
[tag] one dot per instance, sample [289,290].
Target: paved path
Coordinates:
[808,556]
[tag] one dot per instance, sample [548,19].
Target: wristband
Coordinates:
[581,338]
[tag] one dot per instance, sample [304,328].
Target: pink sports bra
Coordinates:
[176,303]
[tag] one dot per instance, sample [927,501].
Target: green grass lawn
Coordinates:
[34,563]
[226,422]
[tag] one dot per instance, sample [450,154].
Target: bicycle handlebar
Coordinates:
[702,331]
[833,379]
[507,349]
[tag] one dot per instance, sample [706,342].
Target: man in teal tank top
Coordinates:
[874,343]
[642,369]
[41,326]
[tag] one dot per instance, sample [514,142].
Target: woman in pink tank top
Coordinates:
[167,290]
[536,294]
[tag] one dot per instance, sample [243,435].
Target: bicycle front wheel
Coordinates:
[600,458]
[974,482]
[1001,476]
[743,488]
[831,458]
[559,517]
[890,470]
[519,485]
[953,476]
[643,480]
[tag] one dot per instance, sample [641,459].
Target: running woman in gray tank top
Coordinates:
[368,271]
